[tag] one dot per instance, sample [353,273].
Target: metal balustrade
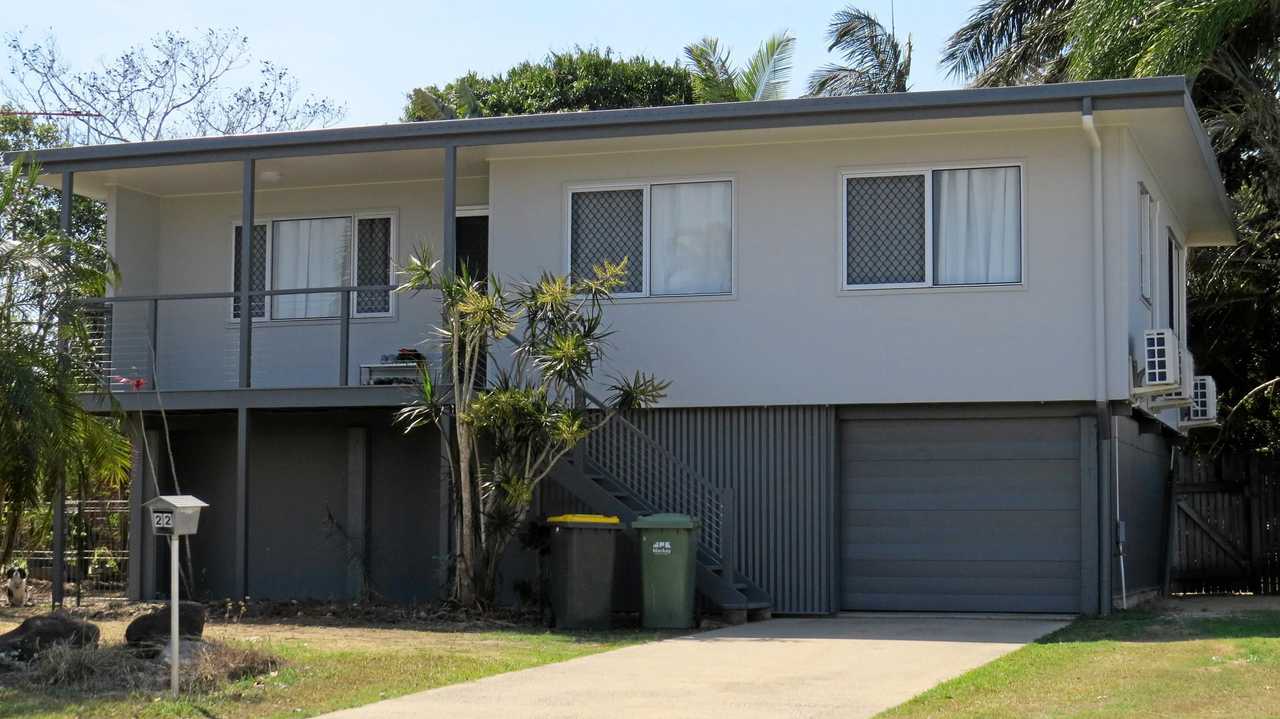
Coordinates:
[192,341]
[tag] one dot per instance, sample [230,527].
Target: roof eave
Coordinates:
[1066,97]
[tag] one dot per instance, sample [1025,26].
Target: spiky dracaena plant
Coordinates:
[503,435]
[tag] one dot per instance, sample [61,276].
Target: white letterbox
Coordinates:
[175,514]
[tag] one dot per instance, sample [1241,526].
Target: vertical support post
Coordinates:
[1090,581]
[155,347]
[58,570]
[246,263]
[137,529]
[173,615]
[357,510]
[241,560]
[344,338]
[449,251]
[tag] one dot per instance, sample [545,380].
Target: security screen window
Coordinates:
[318,252]
[932,228]
[677,237]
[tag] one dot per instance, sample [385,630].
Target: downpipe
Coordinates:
[1107,424]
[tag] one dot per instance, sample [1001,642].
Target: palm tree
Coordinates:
[1011,42]
[45,352]
[876,62]
[764,77]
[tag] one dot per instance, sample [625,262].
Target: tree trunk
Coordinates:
[10,532]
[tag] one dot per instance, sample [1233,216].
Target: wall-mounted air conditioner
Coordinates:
[1161,366]
[1203,411]
[1179,396]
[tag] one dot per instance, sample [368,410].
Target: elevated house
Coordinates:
[927,350]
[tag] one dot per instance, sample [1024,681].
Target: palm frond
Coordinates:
[767,73]
[875,62]
[713,77]
[1006,40]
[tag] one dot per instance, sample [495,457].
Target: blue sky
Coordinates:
[369,54]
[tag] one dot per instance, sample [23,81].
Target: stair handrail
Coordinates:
[716,540]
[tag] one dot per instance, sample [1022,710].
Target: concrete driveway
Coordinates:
[846,666]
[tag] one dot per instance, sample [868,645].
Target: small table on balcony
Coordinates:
[384,373]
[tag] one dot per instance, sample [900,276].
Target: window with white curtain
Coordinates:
[677,237]
[308,253]
[319,252]
[977,226]
[932,228]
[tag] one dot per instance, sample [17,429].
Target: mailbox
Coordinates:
[175,515]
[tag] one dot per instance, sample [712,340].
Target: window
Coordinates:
[1146,237]
[933,228]
[677,237]
[1175,281]
[318,252]
[257,271]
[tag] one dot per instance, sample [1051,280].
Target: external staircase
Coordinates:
[621,470]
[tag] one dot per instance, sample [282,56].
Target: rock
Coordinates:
[151,630]
[189,652]
[39,633]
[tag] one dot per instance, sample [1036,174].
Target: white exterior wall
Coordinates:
[1142,316]
[184,245]
[788,335]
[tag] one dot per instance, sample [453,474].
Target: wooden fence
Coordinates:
[1224,526]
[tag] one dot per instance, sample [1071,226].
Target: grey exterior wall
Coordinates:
[298,481]
[1143,481]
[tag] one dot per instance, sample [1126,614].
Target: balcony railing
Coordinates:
[192,341]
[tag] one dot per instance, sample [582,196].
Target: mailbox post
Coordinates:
[174,516]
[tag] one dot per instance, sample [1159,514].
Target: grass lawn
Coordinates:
[330,668]
[1133,664]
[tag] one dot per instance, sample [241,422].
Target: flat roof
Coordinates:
[1064,97]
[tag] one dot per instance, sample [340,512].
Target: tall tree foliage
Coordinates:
[582,79]
[176,85]
[45,351]
[875,60]
[763,77]
[504,436]
[1230,50]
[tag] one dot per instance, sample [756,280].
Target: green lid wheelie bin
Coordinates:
[583,551]
[668,550]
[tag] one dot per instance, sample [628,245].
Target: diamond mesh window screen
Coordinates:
[257,272]
[885,230]
[373,264]
[608,225]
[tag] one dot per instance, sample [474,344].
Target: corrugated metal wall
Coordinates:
[780,464]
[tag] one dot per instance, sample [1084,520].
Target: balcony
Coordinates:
[193,351]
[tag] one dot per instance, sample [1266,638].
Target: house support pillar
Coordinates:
[246,262]
[137,515]
[449,234]
[241,556]
[57,570]
[357,511]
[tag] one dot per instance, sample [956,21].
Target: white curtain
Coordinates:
[692,238]
[977,223]
[309,253]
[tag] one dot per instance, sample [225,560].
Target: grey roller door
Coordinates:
[961,515]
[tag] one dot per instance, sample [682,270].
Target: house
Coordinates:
[927,350]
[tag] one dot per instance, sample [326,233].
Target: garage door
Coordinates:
[961,515]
